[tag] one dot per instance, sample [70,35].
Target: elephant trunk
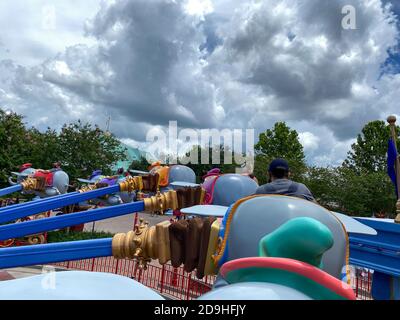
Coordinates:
[11,182]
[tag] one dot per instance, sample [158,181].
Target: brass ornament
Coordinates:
[146,243]
[143,244]
[33,184]
[36,239]
[87,188]
[131,184]
[161,202]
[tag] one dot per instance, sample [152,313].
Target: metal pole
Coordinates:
[17,230]
[162,279]
[136,221]
[34,207]
[9,190]
[392,123]
[55,252]
[188,286]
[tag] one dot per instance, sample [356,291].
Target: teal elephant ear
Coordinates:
[302,239]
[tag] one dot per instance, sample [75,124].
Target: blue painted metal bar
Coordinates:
[17,230]
[56,252]
[9,190]
[36,207]
[381,252]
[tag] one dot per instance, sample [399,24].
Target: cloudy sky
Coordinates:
[204,63]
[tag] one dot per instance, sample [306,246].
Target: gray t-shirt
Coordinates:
[288,188]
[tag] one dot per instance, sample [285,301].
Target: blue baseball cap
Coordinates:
[278,164]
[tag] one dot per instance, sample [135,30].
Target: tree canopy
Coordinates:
[369,152]
[279,142]
[79,147]
[360,186]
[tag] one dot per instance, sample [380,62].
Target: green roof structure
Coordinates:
[132,155]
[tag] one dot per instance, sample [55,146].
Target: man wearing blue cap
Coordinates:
[279,182]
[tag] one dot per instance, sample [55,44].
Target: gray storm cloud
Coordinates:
[217,64]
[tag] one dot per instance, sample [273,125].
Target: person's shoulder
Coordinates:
[264,188]
[305,190]
[301,185]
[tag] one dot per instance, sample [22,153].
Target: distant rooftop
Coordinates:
[133,154]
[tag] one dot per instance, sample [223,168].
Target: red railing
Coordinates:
[177,284]
[361,281]
[171,282]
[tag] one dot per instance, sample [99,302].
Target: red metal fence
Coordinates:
[180,285]
[361,282]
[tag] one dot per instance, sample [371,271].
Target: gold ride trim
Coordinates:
[33,184]
[146,243]
[130,185]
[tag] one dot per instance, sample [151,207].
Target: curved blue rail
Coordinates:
[9,190]
[17,230]
[35,207]
[56,252]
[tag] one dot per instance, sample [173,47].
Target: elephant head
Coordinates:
[224,190]
[170,177]
[55,180]
[114,199]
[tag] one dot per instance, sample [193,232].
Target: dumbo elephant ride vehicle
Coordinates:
[40,183]
[97,178]
[265,248]
[221,190]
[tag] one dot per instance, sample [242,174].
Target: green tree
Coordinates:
[84,149]
[365,193]
[42,148]
[365,186]
[142,164]
[13,144]
[369,152]
[202,167]
[322,182]
[279,142]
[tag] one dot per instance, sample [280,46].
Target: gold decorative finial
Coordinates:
[391,120]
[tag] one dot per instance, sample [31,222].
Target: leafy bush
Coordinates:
[63,236]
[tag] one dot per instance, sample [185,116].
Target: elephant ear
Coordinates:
[353,226]
[20,174]
[184,184]
[206,211]
[138,172]
[85,181]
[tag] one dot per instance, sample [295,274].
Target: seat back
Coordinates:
[251,219]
